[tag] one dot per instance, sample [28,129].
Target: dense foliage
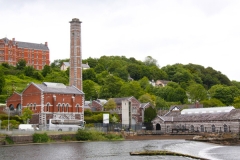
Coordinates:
[40,138]
[118,76]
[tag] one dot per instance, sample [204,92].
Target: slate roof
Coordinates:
[119,100]
[50,89]
[234,114]
[32,46]
[28,45]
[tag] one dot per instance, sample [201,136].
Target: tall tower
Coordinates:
[75,71]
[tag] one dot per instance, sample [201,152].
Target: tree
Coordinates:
[213,102]
[149,61]
[111,104]
[21,64]
[89,74]
[236,102]
[196,92]
[26,115]
[29,71]
[46,70]
[90,89]
[2,81]
[111,87]
[149,114]
[145,98]
[131,88]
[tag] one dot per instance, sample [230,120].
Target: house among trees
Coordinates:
[216,119]
[137,108]
[159,83]
[65,66]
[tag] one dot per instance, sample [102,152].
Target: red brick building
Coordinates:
[36,55]
[49,100]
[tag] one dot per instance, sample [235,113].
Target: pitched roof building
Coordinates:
[215,119]
[36,55]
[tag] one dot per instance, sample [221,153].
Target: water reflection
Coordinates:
[102,150]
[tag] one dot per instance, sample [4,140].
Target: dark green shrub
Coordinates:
[83,135]
[40,138]
[66,138]
[8,140]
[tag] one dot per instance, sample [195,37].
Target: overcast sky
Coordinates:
[203,32]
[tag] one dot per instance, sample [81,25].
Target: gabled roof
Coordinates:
[49,87]
[207,110]
[28,45]
[233,114]
[144,105]
[119,100]
[32,45]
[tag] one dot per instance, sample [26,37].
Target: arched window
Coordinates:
[35,106]
[11,107]
[202,128]
[192,128]
[31,106]
[158,127]
[63,106]
[213,128]
[67,106]
[77,107]
[59,107]
[225,128]
[48,107]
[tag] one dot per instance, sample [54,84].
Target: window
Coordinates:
[213,128]
[202,128]
[59,108]
[192,128]
[67,107]
[48,107]
[63,106]
[225,128]
[78,108]
[35,106]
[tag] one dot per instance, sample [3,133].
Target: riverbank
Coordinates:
[158,137]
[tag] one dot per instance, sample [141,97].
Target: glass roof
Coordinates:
[207,110]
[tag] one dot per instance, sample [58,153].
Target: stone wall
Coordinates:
[23,139]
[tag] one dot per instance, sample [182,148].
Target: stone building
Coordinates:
[216,119]
[36,55]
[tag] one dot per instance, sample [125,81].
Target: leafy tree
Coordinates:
[46,70]
[2,81]
[145,98]
[122,73]
[196,92]
[99,68]
[89,74]
[57,77]
[156,73]
[26,114]
[131,88]
[38,75]
[135,71]
[149,114]
[21,64]
[114,118]
[224,94]
[29,71]
[161,104]
[236,102]
[149,61]
[111,87]
[92,62]
[111,104]
[90,89]
[213,102]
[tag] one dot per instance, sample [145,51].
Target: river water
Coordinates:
[118,150]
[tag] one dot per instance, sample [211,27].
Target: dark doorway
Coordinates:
[158,127]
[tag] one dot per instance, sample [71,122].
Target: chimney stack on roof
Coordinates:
[46,44]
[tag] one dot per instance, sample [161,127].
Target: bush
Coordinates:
[8,140]
[85,135]
[40,138]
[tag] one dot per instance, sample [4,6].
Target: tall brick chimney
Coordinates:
[46,43]
[75,71]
